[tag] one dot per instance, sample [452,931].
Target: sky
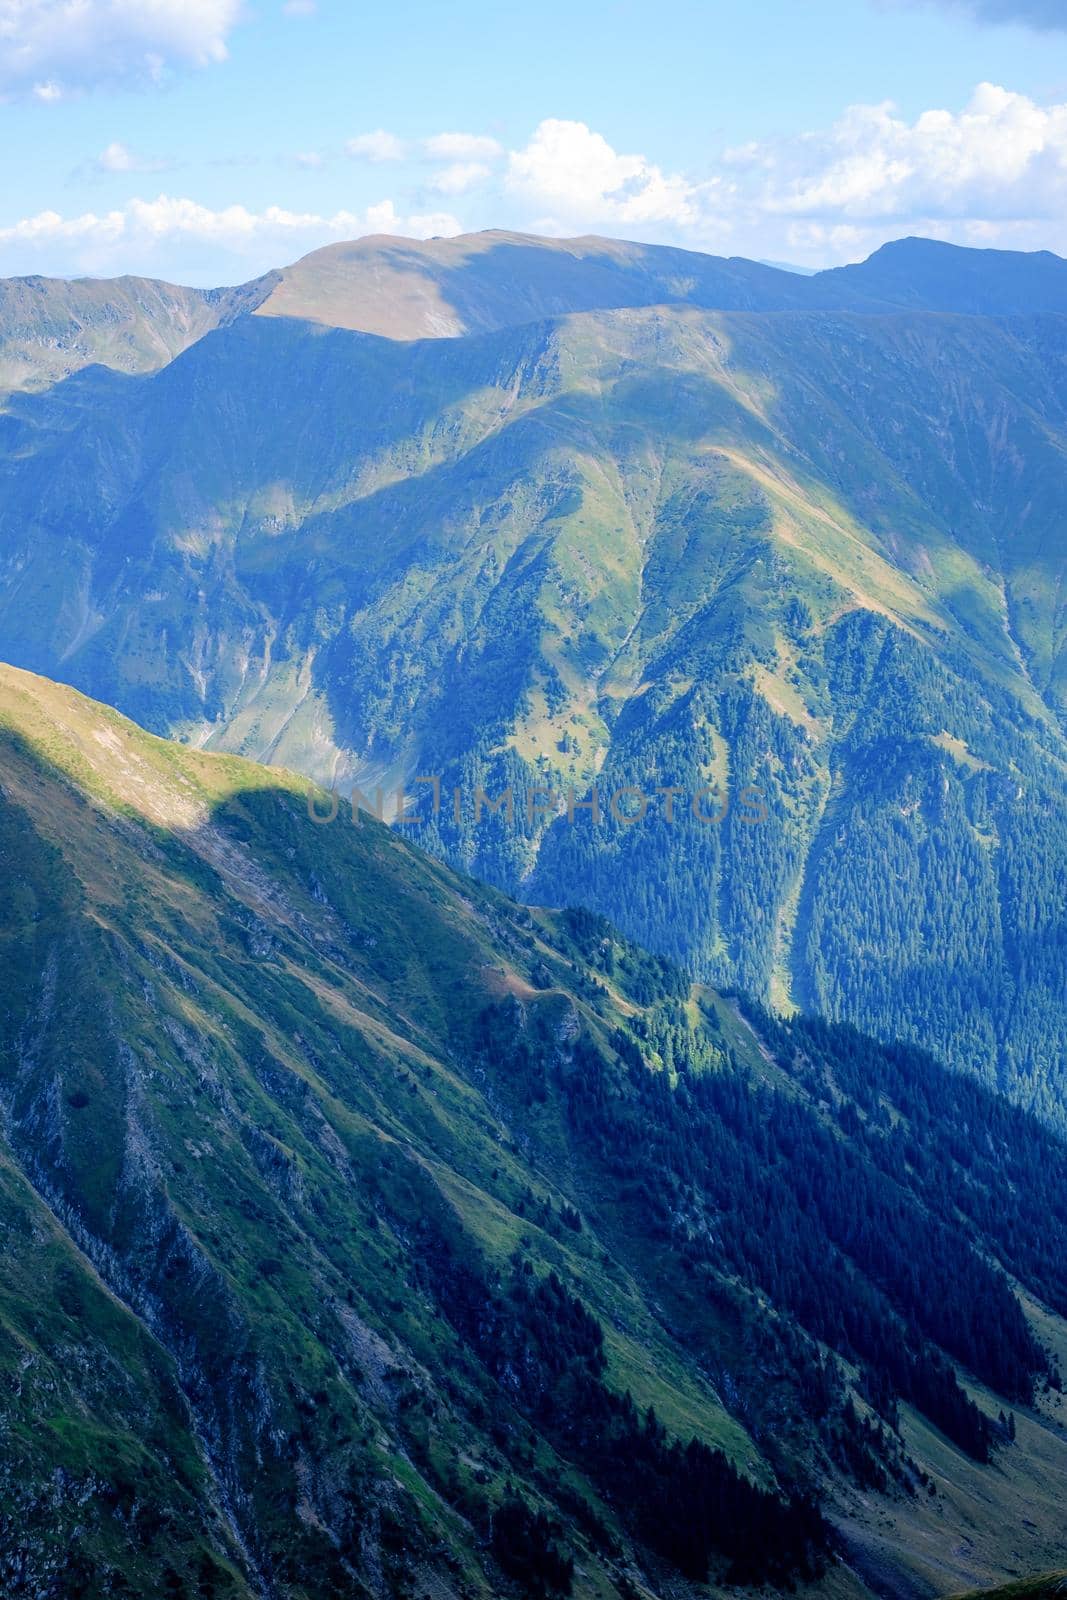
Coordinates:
[205,141]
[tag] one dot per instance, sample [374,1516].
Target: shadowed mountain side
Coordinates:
[1051,1586]
[410,289]
[425,1198]
[930,275]
[441,288]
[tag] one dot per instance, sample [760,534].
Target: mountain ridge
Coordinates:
[53,327]
[639,546]
[410,289]
[375,1204]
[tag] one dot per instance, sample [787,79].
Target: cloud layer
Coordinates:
[576,174]
[132,236]
[993,172]
[1003,158]
[52,48]
[995,169]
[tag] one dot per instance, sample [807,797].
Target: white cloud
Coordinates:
[466,156]
[118,157]
[377,146]
[576,174]
[135,235]
[310,160]
[1002,158]
[52,48]
[383,218]
[992,172]
[455,147]
[460,177]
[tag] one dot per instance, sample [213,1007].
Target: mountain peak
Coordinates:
[410,289]
[916,246]
[934,275]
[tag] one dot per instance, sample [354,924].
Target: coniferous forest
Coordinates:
[467,1239]
[533,801]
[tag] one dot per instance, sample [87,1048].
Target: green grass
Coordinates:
[240,1055]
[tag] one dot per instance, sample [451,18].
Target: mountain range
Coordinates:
[539,515]
[367,1233]
[412,289]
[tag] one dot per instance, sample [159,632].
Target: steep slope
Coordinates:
[816,554]
[355,1218]
[51,328]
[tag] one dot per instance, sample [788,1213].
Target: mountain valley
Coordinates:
[548,516]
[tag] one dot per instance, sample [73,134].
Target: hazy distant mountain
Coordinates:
[926,275]
[440,288]
[50,327]
[367,1234]
[813,550]
[444,288]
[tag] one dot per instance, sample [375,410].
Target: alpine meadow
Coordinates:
[533,800]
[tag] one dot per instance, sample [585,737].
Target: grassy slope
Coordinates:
[51,328]
[235,1075]
[647,544]
[251,1092]
[686,516]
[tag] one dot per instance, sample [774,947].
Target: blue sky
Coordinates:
[205,140]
